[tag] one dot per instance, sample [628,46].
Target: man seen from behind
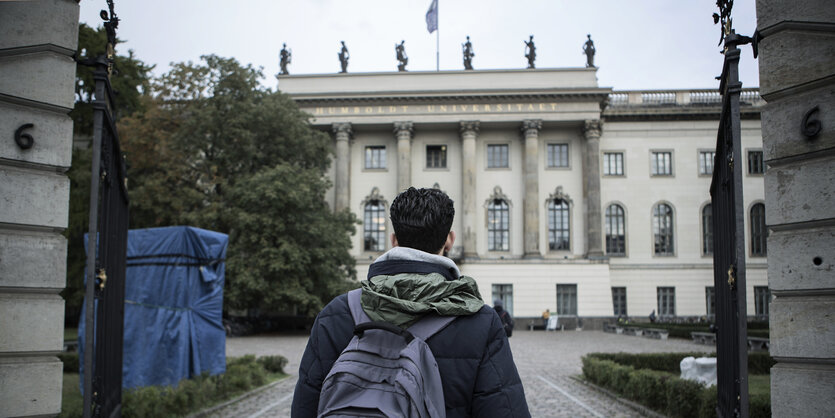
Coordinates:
[411,280]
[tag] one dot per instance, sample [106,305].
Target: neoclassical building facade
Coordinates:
[569,196]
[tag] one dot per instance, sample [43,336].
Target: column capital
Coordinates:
[342,128]
[469,126]
[592,128]
[404,126]
[531,124]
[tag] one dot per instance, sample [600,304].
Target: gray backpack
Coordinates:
[385,371]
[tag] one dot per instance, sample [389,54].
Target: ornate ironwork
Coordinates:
[723,17]
[811,127]
[24,141]
[727,206]
[107,245]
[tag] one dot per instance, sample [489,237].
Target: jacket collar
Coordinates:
[409,260]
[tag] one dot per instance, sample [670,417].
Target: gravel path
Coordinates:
[546,362]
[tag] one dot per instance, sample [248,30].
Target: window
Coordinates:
[436,156]
[706,162]
[374,226]
[375,157]
[762,296]
[497,156]
[498,225]
[661,163]
[755,162]
[707,230]
[558,225]
[666,301]
[619,300]
[615,230]
[613,164]
[567,299]
[504,292]
[758,231]
[662,229]
[557,155]
[710,303]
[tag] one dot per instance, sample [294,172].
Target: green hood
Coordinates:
[402,299]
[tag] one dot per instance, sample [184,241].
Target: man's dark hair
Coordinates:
[422,219]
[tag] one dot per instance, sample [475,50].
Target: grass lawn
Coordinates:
[759,384]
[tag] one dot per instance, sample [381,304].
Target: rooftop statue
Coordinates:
[343,57]
[401,56]
[588,48]
[468,54]
[285,57]
[530,52]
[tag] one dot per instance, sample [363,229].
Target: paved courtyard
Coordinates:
[546,362]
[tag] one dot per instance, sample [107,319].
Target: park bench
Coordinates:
[656,333]
[633,331]
[703,337]
[757,344]
[70,345]
[607,327]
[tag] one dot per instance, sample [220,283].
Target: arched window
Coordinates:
[707,230]
[374,226]
[615,230]
[498,225]
[559,231]
[662,229]
[758,232]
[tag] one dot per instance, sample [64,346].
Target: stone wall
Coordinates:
[37,73]
[797,75]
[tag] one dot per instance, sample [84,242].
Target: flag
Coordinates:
[432,17]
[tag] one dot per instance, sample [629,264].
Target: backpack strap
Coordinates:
[355,305]
[428,326]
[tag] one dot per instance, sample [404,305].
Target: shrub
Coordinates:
[273,364]
[758,362]
[70,360]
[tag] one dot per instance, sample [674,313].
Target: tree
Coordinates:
[215,150]
[130,81]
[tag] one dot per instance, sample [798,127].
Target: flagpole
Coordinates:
[438,38]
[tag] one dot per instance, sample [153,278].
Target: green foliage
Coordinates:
[215,150]
[273,364]
[758,362]
[190,395]
[71,362]
[664,391]
[755,328]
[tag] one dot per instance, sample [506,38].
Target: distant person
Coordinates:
[406,283]
[545,316]
[652,316]
[507,319]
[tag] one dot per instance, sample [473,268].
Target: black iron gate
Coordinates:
[729,235]
[107,248]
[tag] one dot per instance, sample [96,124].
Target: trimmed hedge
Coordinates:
[755,329]
[242,374]
[758,362]
[662,391]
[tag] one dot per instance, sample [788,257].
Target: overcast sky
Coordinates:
[641,44]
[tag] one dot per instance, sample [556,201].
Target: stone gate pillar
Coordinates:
[37,78]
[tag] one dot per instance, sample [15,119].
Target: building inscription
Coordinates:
[434,109]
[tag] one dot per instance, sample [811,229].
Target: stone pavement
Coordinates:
[546,363]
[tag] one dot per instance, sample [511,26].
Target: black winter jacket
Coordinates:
[477,369]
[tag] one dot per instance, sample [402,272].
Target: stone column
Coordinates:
[341,188]
[38,40]
[403,133]
[469,132]
[531,130]
[591,188]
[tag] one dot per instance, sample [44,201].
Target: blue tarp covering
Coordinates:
[173,325]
